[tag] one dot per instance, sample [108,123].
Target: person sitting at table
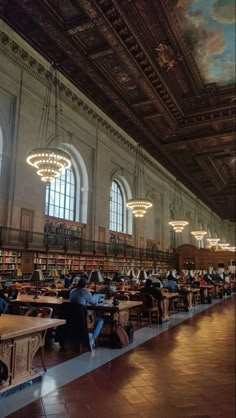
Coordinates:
[156,294]
[157,282]
[3,306]
[83,297]
[202,281]
[116,277]
[171,284]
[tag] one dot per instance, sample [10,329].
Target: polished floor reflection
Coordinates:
[188,371]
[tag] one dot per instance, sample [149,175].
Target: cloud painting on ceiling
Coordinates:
[209,29]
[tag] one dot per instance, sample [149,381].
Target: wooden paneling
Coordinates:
[203,258]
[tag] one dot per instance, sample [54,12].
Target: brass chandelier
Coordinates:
[139,205]
[198,233]
[179,223]
[213,241]
[46,160]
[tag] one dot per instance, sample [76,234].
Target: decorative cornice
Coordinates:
[39,69]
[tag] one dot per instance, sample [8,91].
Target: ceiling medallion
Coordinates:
[46,160]
[166,57]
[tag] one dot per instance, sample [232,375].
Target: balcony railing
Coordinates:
[30,240]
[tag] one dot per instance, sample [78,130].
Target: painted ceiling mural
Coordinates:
[209,29]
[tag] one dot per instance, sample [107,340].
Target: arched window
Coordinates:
[61,196]
[116,208]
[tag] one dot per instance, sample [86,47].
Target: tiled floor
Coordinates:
[188,371]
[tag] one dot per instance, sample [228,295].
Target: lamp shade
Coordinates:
[95,277]
[54,273]
[131,274]
[19,273]
[142,275]
[37,276]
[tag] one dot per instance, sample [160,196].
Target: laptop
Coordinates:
[98,298]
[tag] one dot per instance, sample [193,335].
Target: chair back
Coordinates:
[43,312]
[148,301]
[76,328]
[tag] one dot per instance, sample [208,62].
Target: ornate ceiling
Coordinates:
[134,59]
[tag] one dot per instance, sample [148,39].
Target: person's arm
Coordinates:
[71,294]
[88,297]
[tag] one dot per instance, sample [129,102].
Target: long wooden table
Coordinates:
[54,301]
[20,339]
[117,312]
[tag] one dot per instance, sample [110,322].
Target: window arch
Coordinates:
[61,196]
[117,208]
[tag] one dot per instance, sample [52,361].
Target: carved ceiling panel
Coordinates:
[132,58]
[92,40]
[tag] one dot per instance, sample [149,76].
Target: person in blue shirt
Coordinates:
[3,306]
[171,284]
[83,297]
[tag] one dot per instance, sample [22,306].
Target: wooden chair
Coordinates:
[76,328]
[149,307]
[43,312]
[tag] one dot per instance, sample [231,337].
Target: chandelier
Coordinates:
[213,241]
[49,161]
[139,205]
[199,235]
[224,245]
[179,223]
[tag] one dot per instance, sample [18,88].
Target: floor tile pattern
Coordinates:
[188,371]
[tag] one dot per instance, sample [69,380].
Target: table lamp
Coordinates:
[95,277]
[36,278]
[131,274]
[142,275]
[54,274]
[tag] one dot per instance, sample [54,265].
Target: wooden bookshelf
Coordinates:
[9,261]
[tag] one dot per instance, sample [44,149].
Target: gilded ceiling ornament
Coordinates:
[166,57]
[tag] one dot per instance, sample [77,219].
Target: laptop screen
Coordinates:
[98,298]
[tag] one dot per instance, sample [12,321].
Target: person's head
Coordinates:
[170,277]
[81,282]
[148,283]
